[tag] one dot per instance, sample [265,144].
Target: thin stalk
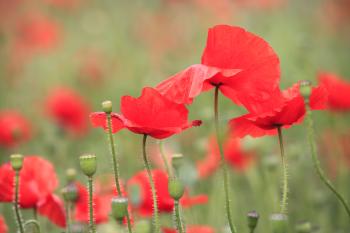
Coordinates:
[35,223]
[165,161]
[284,200]
[16,204]
[92,227]
[222,163]
[115,165]
[35,213]
[153,189]
[68,216]
[179,226]
[317,165]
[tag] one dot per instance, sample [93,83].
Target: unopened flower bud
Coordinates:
[71,175]
[88,164]
[303,227]
[279,223]
[305,89]
[176,189]
[17,162]
[177,160]
[253,218]
[70,192]
[119,207]
[107,106]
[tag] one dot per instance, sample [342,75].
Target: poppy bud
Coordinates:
[177,160]
[303,227]
[71,175]
[143,226]
[305,89]
[16,162]
[88,164]
[70,193]
[253,218]
[107,106]
[119,207]
[279,223]
[176,189]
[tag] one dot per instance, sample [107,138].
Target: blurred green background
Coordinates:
[109,48]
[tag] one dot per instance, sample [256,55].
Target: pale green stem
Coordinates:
[153,188]
[16,204]
[312,143]
[223,164]
[285,174]
[165,160]
[35,223]
[68,216]
[92,227]
[115,166]
[180,228]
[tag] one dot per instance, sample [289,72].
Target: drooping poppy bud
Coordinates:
[17,162]
[119,207]
[253,218]
[176,189]
[88,164]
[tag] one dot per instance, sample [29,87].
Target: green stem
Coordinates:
[223,164]
[165,161]
[284,200]
[312,143]
[34,222]
[92,227]
[16,204]
[115,166]
[178,217]
[68,216]
[153,189]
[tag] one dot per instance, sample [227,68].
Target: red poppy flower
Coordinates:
[3,227]
[14,128]
[291,111]
[241,64]
[150,114]
[141,196]
[192,229]
[338,91]
[68,109]
[103,194]
[234,155]
[37,182]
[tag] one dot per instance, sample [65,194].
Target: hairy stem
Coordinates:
[115,165]
[68,217]
[312,143]
[153,189]
[179,226]
[91,207]
[223,164]
[284,200]
[16,204]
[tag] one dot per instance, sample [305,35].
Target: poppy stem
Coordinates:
[321,174]
[91,206]
[68,216]
[35,223]
[16,204]
[153,189]
[223,164]
[180,228]
[115,165]
[284,200]
[165,161]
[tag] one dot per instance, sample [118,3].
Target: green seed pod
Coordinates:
[279,223]
[16,162]
[71,175]
[70,192]
[303,227]
[176,189]
[177,161]
[119,207]
[305,89]
[88,164]
[253,218]
[107,106]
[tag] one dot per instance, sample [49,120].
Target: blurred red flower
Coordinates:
[150,114]
[102,197]
[241,64]
[291,111]
[14,128]
[38,181]
[234,155]
[192,229]
[68,109]
[265,4]
[139,190]
[338,91]
[3,227]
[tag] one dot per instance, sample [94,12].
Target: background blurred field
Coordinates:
[108,48]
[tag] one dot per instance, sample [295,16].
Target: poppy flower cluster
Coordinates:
[35,190]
